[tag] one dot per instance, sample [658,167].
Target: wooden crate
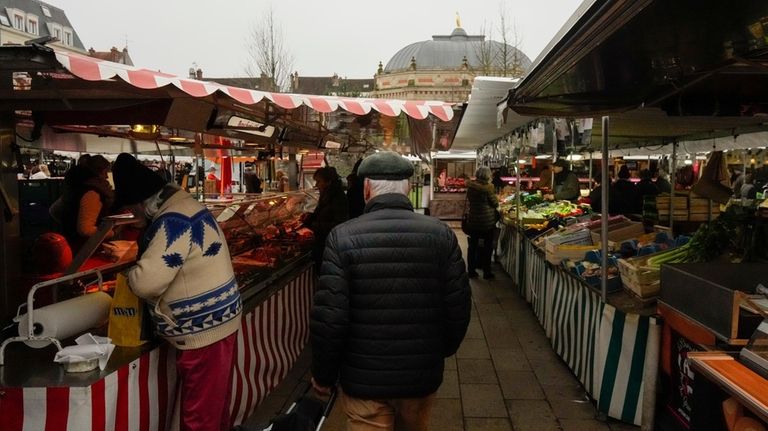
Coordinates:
[636,277]
[678,202]
[703,217]
[619,233]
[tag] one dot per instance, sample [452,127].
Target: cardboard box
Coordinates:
[568,245]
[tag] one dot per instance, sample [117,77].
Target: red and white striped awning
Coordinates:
[94,69]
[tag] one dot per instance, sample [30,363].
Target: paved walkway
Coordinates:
[504,377]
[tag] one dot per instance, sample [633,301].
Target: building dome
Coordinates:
[448,52]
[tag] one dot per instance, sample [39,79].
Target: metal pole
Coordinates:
[673,180]
[604,216]
[517,186]
[591,183]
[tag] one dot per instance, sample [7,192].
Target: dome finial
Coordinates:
[458,20]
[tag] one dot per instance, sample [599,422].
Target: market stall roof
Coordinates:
[687,69]
[61,88]
[484,119]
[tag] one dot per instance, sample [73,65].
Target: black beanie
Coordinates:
[134,182]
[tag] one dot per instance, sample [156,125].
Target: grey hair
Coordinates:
[153,203]
[380,187]
[483,174]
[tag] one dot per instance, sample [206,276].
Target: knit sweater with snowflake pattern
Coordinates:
[185,274]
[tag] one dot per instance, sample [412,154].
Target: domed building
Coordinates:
[443,68]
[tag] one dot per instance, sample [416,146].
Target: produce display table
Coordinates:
[612,347]
[137,390]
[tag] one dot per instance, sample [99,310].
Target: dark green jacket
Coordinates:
[482,203]
[569,189]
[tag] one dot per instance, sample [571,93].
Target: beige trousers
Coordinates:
[397,414]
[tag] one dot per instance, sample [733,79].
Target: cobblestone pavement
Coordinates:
[504,377]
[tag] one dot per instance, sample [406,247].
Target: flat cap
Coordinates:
[385,165]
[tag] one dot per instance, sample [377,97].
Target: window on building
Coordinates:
[4,21]
[67,38]
[18,22]
[46,11]
[32,25]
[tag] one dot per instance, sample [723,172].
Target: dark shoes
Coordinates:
[473,274]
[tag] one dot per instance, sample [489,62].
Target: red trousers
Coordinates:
[206,385]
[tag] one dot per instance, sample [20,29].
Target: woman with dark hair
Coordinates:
[87,199]
[481,222]
[331,210]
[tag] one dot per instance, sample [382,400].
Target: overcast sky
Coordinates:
[348,37]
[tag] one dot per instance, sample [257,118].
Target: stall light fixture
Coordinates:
[688,162]
[543,157]
[522,161]
[244,125]
[145,131]
[652,157]
[700,157]
[573,157]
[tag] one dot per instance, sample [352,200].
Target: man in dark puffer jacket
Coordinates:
[393,301]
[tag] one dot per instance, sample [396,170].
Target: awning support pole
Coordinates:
[673,180]
[605,185]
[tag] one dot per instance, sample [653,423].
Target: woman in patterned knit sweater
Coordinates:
[184,272]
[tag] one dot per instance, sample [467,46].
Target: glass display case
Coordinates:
[264,233]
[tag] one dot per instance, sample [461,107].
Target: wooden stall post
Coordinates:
[10,233]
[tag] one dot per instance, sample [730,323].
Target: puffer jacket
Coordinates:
[393,301]
[482,203]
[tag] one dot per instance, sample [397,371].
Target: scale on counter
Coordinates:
[755,355]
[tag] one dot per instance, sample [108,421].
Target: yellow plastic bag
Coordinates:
[127,320]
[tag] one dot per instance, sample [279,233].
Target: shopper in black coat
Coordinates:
[392,302]
[331,209]
[625,193]
[482,215]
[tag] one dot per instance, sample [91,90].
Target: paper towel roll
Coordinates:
[68,318]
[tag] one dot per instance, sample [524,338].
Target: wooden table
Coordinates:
[749,388]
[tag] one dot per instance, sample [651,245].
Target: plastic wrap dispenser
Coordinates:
[30,335]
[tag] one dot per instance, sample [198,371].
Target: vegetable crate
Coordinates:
[619,232]
[639,279]
[703,209]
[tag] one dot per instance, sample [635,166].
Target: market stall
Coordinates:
[668,88]
[72,102]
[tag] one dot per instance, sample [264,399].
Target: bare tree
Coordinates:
[268,57]
[485,53]
[510,62]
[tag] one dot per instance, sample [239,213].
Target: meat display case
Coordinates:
[265,236]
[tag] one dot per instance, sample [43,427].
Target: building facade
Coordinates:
[23,20]
[445,67]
